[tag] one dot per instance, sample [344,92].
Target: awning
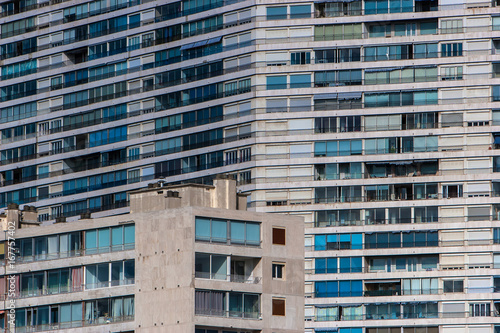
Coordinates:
[325,96]
[424,161]
[200,43]
[214,40]
[350,95]
[421,66]
[187,46]
[113,62]
[326,305]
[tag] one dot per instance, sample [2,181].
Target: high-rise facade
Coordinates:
[374,120]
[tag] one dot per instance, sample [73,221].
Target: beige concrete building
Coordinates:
[187,258]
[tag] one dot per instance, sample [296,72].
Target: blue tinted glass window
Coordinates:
[320,265]
[276,13]
[202,228]
[356,241]
[356,264]
[237,232]
[253,233]
[319,242]
[91,239]
[103,238]
[300,11]
[320,289]
[300,81]
[276,82]
[129,234]
[345,265]
[134,21]
[219,230]
[117,235]
[331,265]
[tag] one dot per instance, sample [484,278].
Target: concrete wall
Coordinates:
[165,282]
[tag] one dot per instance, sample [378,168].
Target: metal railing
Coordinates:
[403,220]
[228,277]
[77,253]
[228,313]
[403,244]
[366,198]
[47,291]
[399,315]
[73,324]
[228,241]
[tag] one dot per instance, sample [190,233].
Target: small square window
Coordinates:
[278,306]
[278,271]
[279,236]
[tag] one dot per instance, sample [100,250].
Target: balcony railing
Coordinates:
[72,324]
[47,291]
[76,253]
[228,313]
[397,315]
[229,277]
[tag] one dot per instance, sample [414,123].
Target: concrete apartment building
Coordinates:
[188,258]
[376,121]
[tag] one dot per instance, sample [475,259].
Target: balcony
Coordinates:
[227,304]
[72,324]
[227,268]
[386,288]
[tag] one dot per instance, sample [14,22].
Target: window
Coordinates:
[215,303]
[333,9]
[345,288]
[428,28]
[338,242]
[421,51]
[278,271]
[325,218]
[453,286]
[337,32]
[337,148]
[337,55]
[278,307]
[451,26]
[452,191]
[451,50]
[479,310]
[300,11]
[276,82]
[350,265]
[134,21]
[413,330]
[279,236]
[384,6]
[300,81]
[222,231]
[337,78]
[300,58]
[325,265]
[420,310]
[277,13]
[110,239]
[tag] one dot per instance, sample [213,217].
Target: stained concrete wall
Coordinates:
[165,282]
